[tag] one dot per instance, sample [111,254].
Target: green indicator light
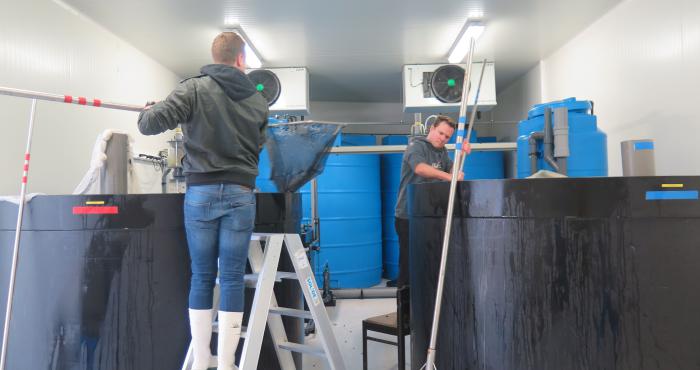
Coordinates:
[451,83]
[260,87]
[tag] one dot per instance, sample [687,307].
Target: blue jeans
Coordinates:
[219,221]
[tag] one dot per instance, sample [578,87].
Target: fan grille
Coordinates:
[446,83]
[267,83]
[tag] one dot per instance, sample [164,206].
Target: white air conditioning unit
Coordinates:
[286,89]
[437,88]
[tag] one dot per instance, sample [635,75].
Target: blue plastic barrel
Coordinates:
[349,208]
[588,154]
[391,177]
[482,165]
[263,181]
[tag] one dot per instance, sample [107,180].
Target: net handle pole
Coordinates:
[69,99]
[430,358]
[475,107]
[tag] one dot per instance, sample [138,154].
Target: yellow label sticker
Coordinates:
[677,186]
[95,202]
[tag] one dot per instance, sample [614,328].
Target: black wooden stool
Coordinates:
[395,323]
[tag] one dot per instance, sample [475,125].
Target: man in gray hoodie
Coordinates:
[425,160]
[223,119]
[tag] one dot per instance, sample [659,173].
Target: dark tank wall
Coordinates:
[109,291]
[559,274]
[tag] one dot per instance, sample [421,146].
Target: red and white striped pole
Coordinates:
[80,100]
[15,251]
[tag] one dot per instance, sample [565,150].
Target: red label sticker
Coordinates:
[67,99]
[82,100]
[97,102]
[108,210]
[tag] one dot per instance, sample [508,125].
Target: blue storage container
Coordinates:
[588,155]
[481,165]
[391,177]
[349,208]
[263,181]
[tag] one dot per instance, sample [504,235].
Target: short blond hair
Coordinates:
[226,48]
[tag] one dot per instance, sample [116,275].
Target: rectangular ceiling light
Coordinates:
[252,57]
[471,30]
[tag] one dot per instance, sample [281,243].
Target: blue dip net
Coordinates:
[298,151]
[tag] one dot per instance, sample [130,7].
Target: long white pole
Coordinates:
[475,107]
[68,99]
[15,251]
[430,360]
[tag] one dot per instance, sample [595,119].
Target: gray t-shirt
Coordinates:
[419,150]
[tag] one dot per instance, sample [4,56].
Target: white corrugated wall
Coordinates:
[640,64]
[45,46]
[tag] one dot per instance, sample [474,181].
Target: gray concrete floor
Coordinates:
[346,318]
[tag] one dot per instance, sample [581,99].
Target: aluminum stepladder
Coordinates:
[266,312]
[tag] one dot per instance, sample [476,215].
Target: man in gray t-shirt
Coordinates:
[425,160]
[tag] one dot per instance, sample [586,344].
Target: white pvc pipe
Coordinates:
[15,251]
[384,149]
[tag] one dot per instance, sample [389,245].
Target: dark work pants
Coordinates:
[401,225]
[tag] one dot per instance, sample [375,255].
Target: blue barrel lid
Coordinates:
[580,106]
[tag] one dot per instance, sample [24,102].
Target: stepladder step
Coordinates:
[252,279]
[303,348]
[291,312]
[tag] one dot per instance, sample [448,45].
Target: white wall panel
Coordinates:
[45,46]
[359,112]
[516,100]
[640,64]
[513,104]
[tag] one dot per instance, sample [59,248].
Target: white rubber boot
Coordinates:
[200,329]
[229,334]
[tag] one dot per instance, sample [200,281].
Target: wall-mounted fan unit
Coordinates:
[437,88]
[285,89]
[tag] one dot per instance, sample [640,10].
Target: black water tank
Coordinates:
[554,274]
[110,291]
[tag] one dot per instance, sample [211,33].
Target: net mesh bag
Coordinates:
[298,151]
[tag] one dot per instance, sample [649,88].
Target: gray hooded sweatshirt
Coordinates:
[419,150]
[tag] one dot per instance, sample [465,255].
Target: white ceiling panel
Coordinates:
[354,50]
